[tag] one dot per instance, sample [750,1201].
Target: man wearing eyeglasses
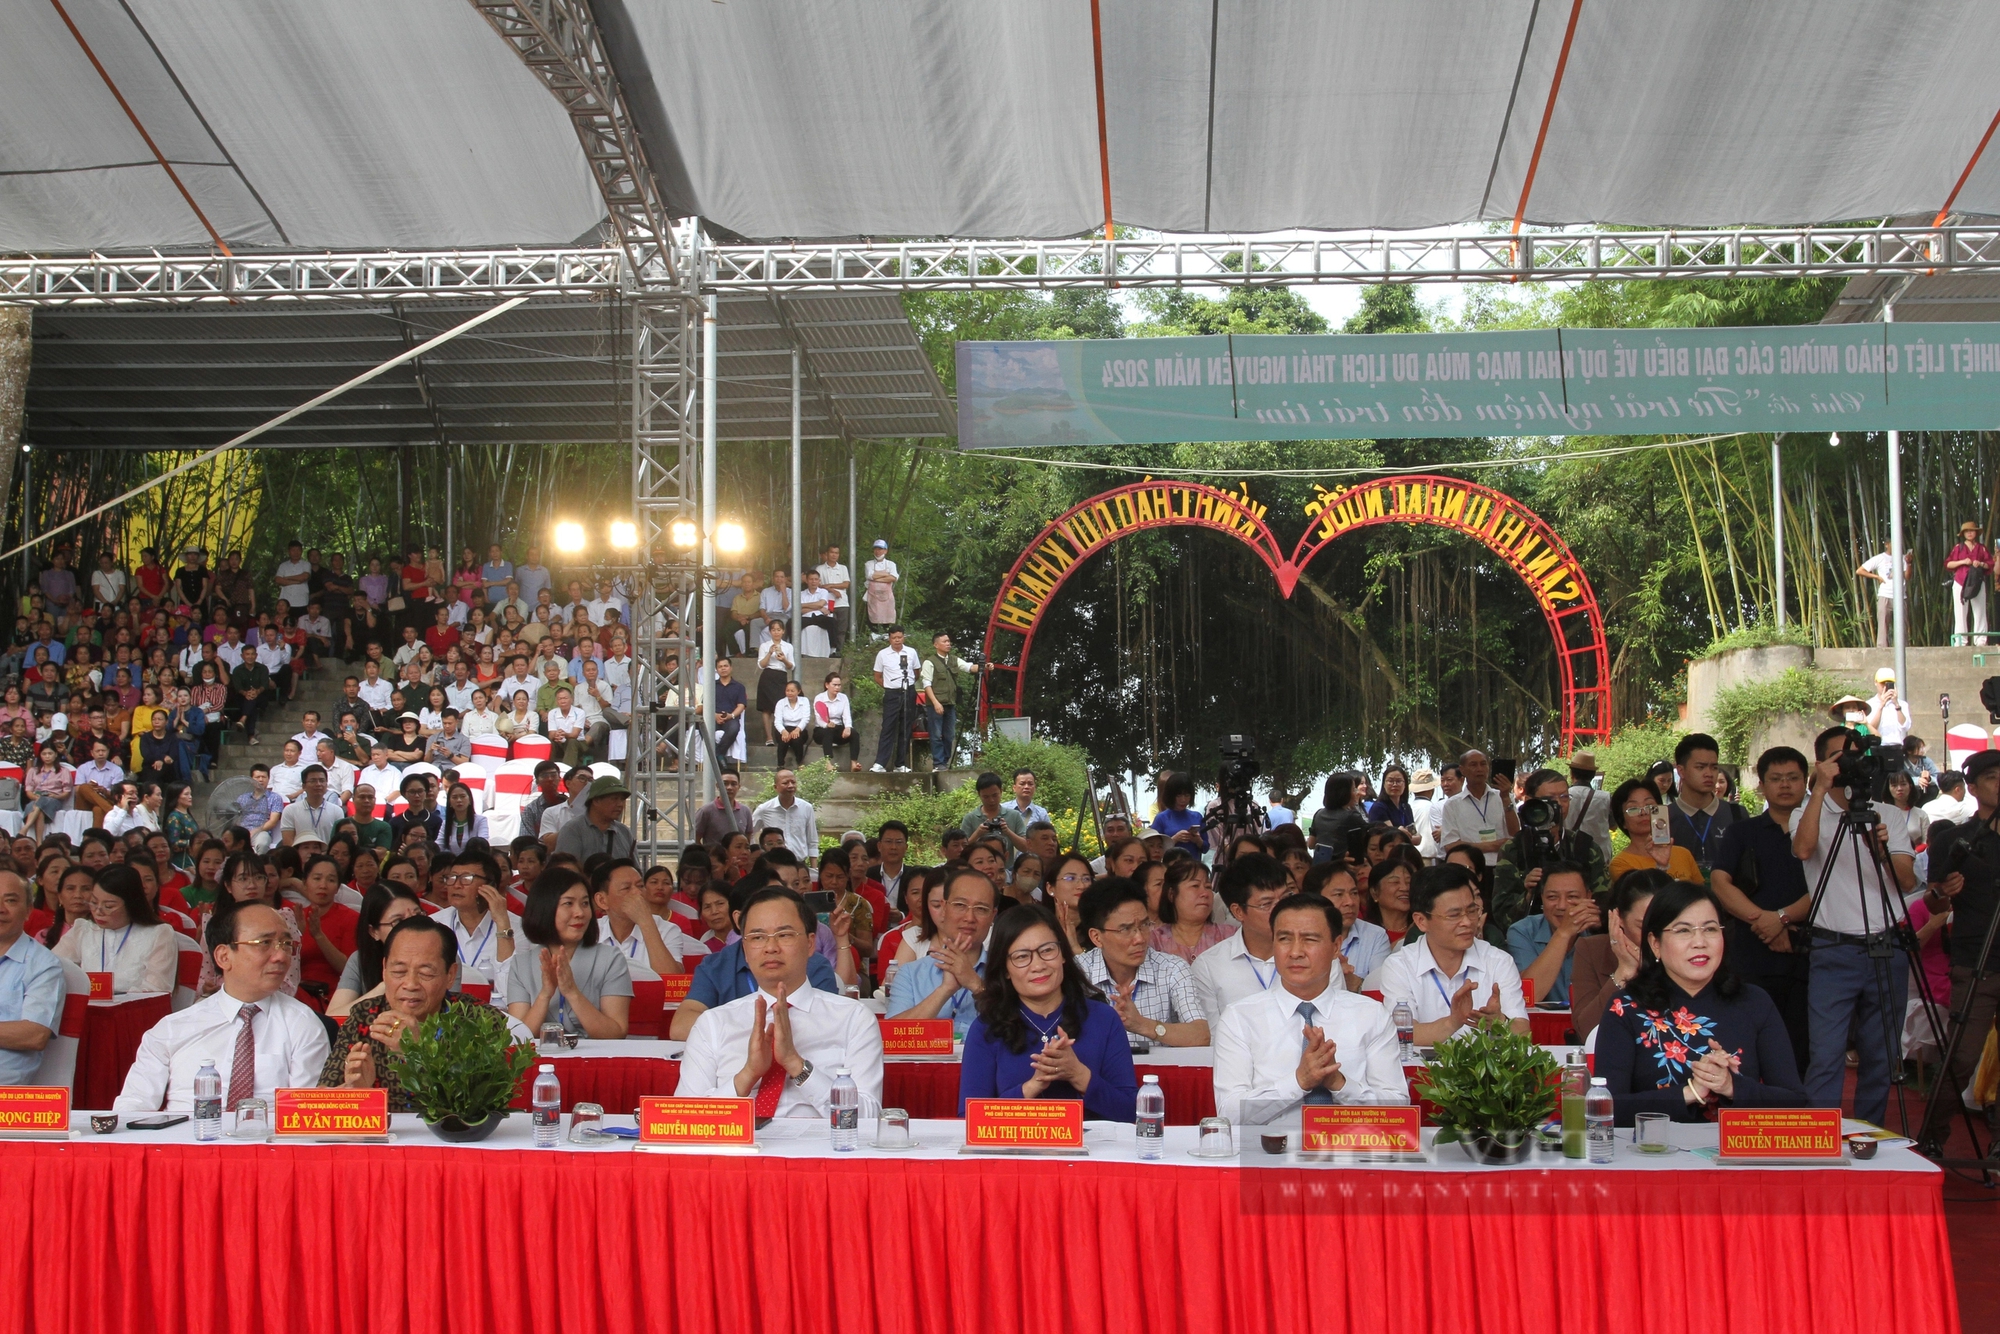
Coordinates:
[780,1044]
[1153,991]
[1451,978]
[945,984]
[259,1039]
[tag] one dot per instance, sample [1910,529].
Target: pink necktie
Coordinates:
[243,1067]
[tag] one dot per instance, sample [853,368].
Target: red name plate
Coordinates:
[34,1110]
[698,1121]
[916,1037]
[1360,1129]
[674,987]
[1023,1123]
[1751,1133]
[331,1113]
[100,986]
[1528,992]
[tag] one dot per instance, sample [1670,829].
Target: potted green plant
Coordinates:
[1491,1087]
[460,1069]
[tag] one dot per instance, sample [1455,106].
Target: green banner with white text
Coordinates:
[1816,377]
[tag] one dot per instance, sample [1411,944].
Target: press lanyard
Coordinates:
[1263,983]
[472,952]
[115,954]
[1479,803]
[1440,986]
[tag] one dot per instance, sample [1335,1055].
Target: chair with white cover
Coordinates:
[348,896]
[475,985]
[1962,741]
[187,975]
[605,769]
[617,741]
[474,776]
[490,750]
[503,824]
[73,824]
[58,1066]
[515,778]
[423,767]
[813,642]
[528,746]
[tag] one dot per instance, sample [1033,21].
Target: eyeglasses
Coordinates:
[462,879]
[1048,953]
[1073,877]
[1129,930]
[967,905]
[266,945]
[1683,935]
[1640,810]
[1454,915]
[759,939]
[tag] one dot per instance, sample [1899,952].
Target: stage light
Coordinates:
[624,534]
[1834,440]
[569,538]
[684,534]
[730,539]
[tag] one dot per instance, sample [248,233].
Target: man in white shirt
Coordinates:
[312,817]
[380,774]
[1844,987]
[294,577]
[781,1044]
[101,772]
[602,706]
[833,578]
[374,691]
[340,775]
[309,735]
[628,921]
[458,690]
[617,662]
[288,779]
[277,660]
[128,814]
[1240,966]
[896,673]
[774,601]
[478,916]
[1953,802]
[564,725]
[789,815]
[1589,808]
[519,677]
[230,652]
[407,653]
[1307,1040]
[259,1039]
[1451,978]
[1882,570]
[1479,817]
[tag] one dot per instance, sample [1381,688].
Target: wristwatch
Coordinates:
[1160,1031]
[799,1080]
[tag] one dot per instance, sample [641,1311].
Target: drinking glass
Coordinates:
[253,1119]
[585,1122]
[892,1130]
[1218,1137]
[552,1040]
[1651,1132]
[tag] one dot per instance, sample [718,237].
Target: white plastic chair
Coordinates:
[188,972]
[490,750]
[515,778]
[604,769]
[503,826]
[531,747]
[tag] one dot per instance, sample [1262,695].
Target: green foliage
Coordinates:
[1489,1079]
[1741,709]
[1758,634]
[1061,782]
[1635,748]
[461,1063]
[816,779]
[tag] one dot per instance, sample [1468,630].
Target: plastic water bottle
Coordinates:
[1151,1127]
[1405,1020]
[845,1118]
[207,1102]
[547,1102]
[1597,1113]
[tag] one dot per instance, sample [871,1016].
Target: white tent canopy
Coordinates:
[411,124]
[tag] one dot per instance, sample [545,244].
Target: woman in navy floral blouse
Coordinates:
[1688,1036]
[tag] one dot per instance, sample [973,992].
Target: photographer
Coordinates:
[1517,878]
[1965,879]
[1844,986]
[993,818]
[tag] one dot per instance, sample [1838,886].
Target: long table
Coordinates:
[154,1233]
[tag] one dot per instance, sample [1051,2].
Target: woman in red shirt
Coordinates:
[328,932]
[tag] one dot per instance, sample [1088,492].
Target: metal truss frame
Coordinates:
[660,759]
[372,276]
[559,41]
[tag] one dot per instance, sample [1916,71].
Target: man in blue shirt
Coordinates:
[725,975]
[495,573]
[1544,945]
[1024,797]
[945,984]
[31,988]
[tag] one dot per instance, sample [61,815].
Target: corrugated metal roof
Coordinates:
[548,372]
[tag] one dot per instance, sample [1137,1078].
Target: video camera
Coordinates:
[1239,766]
[1540,839]
[1866,767]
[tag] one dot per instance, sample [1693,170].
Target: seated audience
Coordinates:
[1688,1036]
[477,914]
[258,1038]
[1242,966]
[1153,993]
[1451,978]
[726,975]
[1307,1039]
[627,921]
[123,936]
[1363,945]
[1187,906]
[1607,961]
[945,983]
[1039,1034]
[1542,945]
[566,974]
[382,906]
[782,1043]
[32,990]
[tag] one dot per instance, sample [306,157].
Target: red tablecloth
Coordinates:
[413,1237]
[1550,1028]
[110,1041]
[615,1083]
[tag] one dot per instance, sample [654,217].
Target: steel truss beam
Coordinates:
[665,379]
[1264,261]
[97,280]
[560,42]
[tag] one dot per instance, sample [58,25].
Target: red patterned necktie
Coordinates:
[243,1066]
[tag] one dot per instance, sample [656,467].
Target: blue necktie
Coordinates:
[1309,1012]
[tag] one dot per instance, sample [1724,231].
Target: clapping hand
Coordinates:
[1058,1063]
[1318,1067]
[758,1058]
[1121,1001]
[1348,975]
[1462,1008]
[783,1051]
[551,972]
[1714,1074]
[565,978]
[959,962]
[1585,917]
[1492,1005]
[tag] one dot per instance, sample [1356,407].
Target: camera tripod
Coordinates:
[1236,814]
[1856,837]
[1960,1022]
